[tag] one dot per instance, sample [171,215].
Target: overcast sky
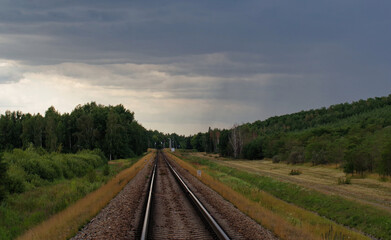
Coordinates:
[183,66]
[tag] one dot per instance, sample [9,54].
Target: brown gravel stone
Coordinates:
[173,215]
[236,224]
[120,218]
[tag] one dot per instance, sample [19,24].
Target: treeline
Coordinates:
[112,129]
[312,118]
[357,136]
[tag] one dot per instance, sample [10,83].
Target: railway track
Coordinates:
[172,211]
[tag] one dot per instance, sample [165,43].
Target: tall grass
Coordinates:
[66,223]
[39,184]
[286,220]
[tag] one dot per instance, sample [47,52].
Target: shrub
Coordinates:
[295,172]
[106,170]
[91,176]
[41,151]
[75,167]
[344,180]
[15,181]
[296,155]
[383,178]
[45,169]
[30,169]
[276,159]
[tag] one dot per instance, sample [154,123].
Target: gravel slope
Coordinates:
[173,215]
[120,218]
[236,224]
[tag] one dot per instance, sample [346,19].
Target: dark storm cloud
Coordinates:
[275,54]
[280,31]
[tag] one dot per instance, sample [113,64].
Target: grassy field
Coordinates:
[298,205]
[21,211]
[369,190]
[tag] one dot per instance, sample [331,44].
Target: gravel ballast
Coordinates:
[121,218]
[236,224]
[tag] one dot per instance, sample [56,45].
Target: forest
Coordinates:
[39,149]
[355,136]
[112,129]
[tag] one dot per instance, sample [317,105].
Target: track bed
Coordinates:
[173,215]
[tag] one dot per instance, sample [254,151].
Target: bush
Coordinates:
[277,158]
[91,176]
[344,180]
[295,172]
[74,167]
[296,156]
[16,179]
[29,168]
[106,170]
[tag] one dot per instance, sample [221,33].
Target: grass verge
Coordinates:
[67,222]
[248,193]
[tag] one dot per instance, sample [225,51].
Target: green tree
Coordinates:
[10,130]
[39,125]
[385,162]
[198,142]
[113,134]
[209,141]
[86,131]
[253,150]
[52,118]
[28,130]
[224,145]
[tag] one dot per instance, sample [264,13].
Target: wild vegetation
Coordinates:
[55,159]
[327,179]
[48,162]
[66,223]
[250,193]
[40,184]
[31,168]
[355,135]
[365,218]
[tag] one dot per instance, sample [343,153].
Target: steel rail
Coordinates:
[148,207]
[207,216]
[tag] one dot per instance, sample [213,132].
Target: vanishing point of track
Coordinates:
[172,211]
